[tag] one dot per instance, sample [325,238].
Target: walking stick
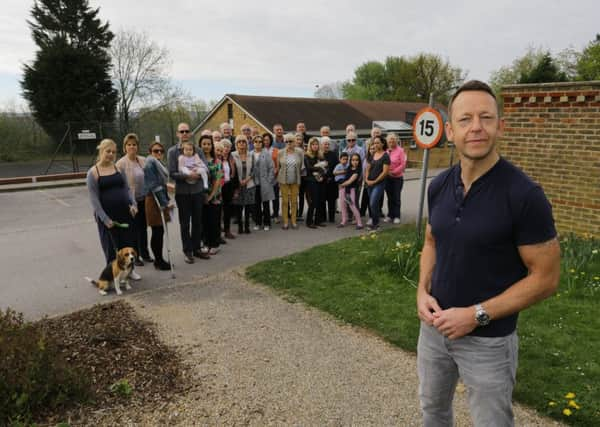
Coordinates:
[164,222]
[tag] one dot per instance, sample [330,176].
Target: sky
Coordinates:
[280,48]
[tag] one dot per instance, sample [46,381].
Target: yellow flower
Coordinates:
[596,277]
[573,404]
[572,270]
[567,412]
[363,237]
[570,395]
[551,403]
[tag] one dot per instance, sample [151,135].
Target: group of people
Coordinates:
[223,179]
[490,246]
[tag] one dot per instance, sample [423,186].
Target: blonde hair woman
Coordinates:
[244,166]
[112,202]
[290,160]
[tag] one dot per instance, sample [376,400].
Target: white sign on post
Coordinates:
[428,128]
[86,134]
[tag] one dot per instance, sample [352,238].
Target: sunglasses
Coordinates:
[184,131]
[351,140]
[158,150]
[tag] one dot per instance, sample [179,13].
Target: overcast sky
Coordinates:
[267,47]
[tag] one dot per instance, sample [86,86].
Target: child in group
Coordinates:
[348,189]
[339,175]
[190,162]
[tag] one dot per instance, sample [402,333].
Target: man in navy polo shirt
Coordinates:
[490,251]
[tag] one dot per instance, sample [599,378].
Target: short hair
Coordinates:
[256,138]
[277,125]
[343,154]
[216,132]
[246,126]
[240,138]
[130,137]
[224,125]
[206,132]
[325,139]
[392,136]
[350,135]
[219,144]
[154,144]
[225,142]
[472,86]
[290,137]
[324,128]
[188,142]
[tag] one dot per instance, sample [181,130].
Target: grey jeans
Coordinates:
[487,367]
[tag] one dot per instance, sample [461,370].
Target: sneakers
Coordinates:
[387,219]
[213,251]
[134,276]
[295,226]
[396,220]
[266,228]
[188,258]
[256,228]
[369,222]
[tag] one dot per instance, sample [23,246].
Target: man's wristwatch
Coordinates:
[481,315]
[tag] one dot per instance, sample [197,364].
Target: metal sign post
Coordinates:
[428,128]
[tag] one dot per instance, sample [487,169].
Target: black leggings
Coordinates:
[156,242]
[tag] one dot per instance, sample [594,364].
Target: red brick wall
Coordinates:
[552,132]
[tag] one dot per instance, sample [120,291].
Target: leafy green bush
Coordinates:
[34,378]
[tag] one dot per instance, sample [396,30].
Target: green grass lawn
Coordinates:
[370,281]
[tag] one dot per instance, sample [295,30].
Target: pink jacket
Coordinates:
[397,161]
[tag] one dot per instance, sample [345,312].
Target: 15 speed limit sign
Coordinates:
[428,127]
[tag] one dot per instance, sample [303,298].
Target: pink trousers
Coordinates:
[347,197]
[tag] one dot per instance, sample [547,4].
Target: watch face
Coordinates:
[483,318]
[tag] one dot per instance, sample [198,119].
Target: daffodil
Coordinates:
[570,395]
[552,403]
[567,412]
[573,404]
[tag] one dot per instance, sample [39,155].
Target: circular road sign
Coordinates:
[428,127]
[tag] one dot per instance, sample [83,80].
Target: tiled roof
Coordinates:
[316,112]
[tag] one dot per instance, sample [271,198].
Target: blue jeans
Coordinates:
[487,367]
[393,190]
[375,198]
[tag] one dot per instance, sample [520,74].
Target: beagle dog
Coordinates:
[116,272]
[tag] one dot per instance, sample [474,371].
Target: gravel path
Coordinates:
[257,359]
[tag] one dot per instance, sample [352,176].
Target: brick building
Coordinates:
[265,111]
[552,132]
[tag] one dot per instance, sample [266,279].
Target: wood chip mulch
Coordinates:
[109,343]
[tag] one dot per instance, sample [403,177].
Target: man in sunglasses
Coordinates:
[352,147]
[189,199]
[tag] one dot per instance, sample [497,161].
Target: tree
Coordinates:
[405,79]
[330,91]
[139,72]
[512,73]
[544,71]
[69,80]
[588,65]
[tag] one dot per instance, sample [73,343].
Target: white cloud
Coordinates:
[300,44]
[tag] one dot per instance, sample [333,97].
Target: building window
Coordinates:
[229,112]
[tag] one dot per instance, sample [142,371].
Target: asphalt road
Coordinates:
[49,243]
